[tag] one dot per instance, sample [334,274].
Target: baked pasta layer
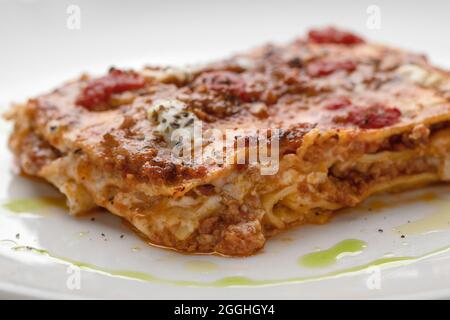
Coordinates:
[351,119]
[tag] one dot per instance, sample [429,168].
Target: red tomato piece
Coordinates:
[98,91]
[374,117]
[333,35]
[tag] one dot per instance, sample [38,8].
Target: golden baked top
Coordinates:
[327,81]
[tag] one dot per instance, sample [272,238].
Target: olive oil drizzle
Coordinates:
[232,281]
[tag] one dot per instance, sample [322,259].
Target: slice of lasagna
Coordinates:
[348,119]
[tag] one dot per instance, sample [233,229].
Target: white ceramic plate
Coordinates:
[45,253]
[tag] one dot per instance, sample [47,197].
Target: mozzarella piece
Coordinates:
[421,76]
[170,115]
